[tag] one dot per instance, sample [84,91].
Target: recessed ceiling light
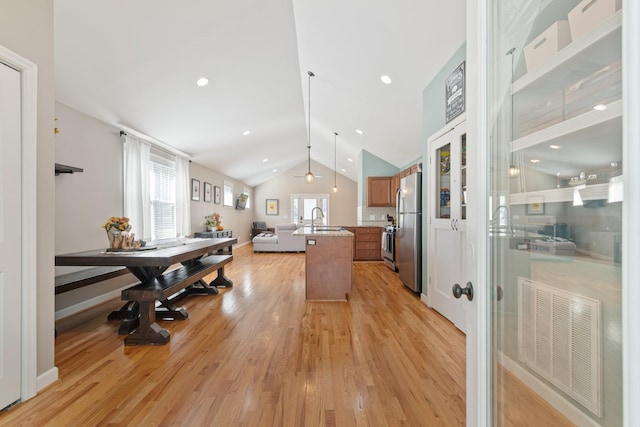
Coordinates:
[359,132]
[343,170]
[534,161]
[265,160]
[202,81]
[386,79]
[350,159]
[600,107]
[275,170]
[246,132]
[555,147]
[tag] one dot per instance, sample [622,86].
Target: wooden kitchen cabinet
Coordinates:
[378,191]
[395,185]
[368,244]
[329,267]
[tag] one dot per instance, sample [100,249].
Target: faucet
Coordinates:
[321,215]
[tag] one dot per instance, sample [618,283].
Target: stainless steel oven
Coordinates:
[389,246]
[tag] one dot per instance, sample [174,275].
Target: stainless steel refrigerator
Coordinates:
[409,214]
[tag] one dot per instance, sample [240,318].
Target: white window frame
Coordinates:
[227,194]
[248,193]
[160,158]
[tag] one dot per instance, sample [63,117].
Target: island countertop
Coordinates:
[327,231]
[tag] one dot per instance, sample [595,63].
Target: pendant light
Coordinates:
[513,169]
[335,162]
[308,178]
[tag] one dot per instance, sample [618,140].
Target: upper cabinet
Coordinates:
[381,190]
[378,191]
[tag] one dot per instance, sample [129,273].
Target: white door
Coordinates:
[10,236]
[302,208]
[554,342]
[447,222]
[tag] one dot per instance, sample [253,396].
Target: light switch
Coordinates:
[311,242]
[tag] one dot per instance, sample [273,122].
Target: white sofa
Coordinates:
[282,241]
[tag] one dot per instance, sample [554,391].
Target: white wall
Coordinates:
[239,221]
[342,205]
[85,200]
[26,28]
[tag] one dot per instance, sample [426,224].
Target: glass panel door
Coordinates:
[302,206]
[556,213]
[444,182]
[463,177]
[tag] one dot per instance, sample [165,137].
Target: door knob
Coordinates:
[458,291]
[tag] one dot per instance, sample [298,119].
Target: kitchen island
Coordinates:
[328,262]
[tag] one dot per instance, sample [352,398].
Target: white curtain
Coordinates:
[183,204]
[137,200]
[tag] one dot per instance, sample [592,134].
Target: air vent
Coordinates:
[559,338]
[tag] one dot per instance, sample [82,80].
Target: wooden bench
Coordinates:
[78,279]
[189,278]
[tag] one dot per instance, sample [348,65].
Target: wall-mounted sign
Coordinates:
[454,93]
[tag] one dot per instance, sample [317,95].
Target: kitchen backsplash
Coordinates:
[375,216]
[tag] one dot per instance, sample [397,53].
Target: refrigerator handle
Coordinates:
[398,199]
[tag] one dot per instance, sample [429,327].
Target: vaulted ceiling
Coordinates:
[134,64]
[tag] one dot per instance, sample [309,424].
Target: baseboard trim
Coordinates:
[90,303]
[553,398]
[425,300]
[47,378]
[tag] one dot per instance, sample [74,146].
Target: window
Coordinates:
[248,204]
[228,194]
[156,191]
[163,198]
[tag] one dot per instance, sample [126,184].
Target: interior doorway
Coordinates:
[23,198]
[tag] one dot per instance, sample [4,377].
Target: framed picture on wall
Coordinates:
[207,192]
[195,189]
[216,194]
[535,206]
[272,206]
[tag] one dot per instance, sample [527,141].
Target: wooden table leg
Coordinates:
[148,331]
[199,288]
[168,310]
[221,281]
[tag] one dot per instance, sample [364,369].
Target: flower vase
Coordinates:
[113,234]
[211,227]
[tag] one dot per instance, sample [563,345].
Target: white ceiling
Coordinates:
[134,64]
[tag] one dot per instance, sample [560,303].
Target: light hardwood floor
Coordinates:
[259,355]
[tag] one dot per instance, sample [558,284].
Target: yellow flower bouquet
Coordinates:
[119,223]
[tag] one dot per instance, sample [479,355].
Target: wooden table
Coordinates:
[150,265]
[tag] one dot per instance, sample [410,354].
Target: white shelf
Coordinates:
[570,126]
[601,43]
[587,143]
[590,192]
